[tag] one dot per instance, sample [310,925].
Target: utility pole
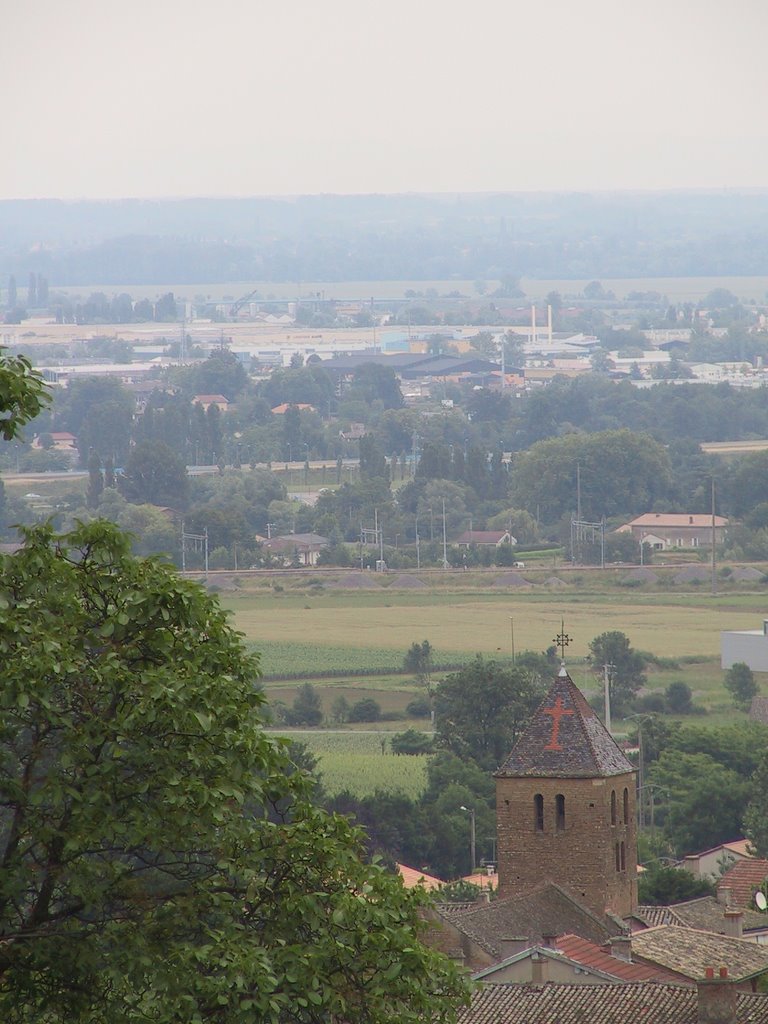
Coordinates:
[714,544]
[445,545]
[472,836]
[607,691]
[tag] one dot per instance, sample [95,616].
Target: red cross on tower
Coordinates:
[557,711]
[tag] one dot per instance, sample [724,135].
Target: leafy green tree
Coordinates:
[307,707]
[365,710]
[459,891]
[741,684]
[372,461]
[372,382]
[626,667]
[756,815]
[340,710]
[95,480]
[411,742]
[480,711]
[621,472]
[419,660]
[161,859]
[702,802]
[166,309]
[679,697]
[155,475]
[661,884]
[23,394]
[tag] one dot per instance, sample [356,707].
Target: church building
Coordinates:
[565,807]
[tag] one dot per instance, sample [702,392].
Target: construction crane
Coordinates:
[235,308]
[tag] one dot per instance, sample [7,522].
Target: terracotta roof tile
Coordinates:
[565,739]
[412,877]
[743,878]
[591,955]
[597,1004]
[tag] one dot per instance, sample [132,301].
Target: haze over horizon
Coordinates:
[245,98]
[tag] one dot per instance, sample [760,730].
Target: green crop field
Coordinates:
[668,625]
[361,762]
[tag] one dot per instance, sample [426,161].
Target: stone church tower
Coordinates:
[565,807]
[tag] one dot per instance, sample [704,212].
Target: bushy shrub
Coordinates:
[411,742]
[365,710]
[418,708]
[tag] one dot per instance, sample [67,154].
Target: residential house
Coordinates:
[742,881]
[570,959]
[710,864]
[282,409]
[665,530]
[303,548]
[220,401]
[485,538]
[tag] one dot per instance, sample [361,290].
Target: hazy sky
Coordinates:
[240,97]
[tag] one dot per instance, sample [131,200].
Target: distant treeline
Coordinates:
[419,237]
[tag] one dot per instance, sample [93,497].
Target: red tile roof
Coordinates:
[743,878]
[591,955]
[676,520]
[411,877]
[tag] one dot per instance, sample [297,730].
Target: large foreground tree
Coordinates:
[160,860]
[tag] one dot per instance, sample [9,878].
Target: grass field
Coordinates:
[361,762]
[668,625]
[677,289]
[374,628]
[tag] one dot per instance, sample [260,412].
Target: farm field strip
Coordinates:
[665,628]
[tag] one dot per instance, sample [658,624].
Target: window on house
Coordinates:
[618,858]
[538,812]
[560,811]
[626,806]
[623,857]
[613,806]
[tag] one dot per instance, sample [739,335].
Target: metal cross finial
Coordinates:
[562,640]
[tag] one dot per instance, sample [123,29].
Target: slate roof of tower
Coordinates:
[565,739]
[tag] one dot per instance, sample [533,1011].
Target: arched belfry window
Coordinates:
[538,812]
[560,811]
[626,806]
[613,806]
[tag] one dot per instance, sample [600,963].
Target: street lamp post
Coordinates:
[472,835]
